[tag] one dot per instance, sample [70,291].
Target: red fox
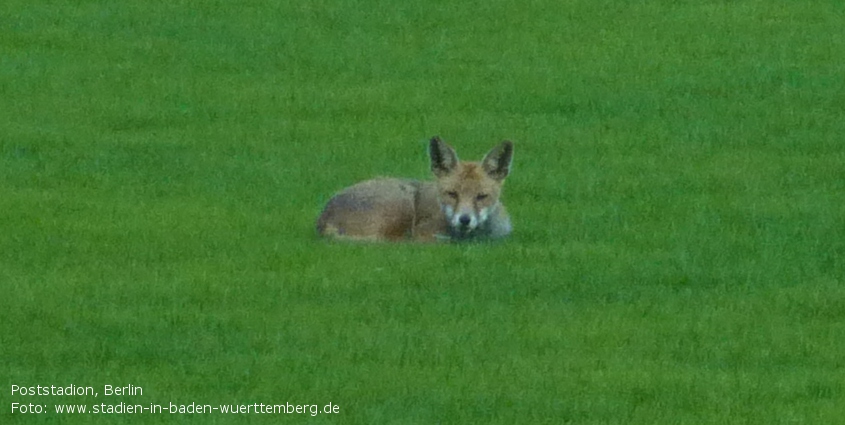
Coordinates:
[462,204]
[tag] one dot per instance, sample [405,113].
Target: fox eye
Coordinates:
[452,194]
[481,196]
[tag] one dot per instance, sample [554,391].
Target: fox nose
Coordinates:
[465,220]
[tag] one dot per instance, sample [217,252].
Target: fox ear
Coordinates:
[497,162]
[443,157]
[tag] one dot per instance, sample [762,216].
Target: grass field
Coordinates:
[678,198]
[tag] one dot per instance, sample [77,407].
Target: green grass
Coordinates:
[678,197]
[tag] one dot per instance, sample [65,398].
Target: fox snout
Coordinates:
[464,220]
[464,223]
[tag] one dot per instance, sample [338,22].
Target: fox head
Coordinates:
[469,191]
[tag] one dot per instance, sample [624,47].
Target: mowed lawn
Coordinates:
[678,198]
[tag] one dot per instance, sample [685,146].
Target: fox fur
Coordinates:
[461,204]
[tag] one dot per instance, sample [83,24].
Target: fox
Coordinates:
[462,204]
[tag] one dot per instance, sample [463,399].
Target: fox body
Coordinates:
[462,204]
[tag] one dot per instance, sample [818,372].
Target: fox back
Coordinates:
[462,204]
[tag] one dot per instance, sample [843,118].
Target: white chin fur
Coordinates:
[483,215]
